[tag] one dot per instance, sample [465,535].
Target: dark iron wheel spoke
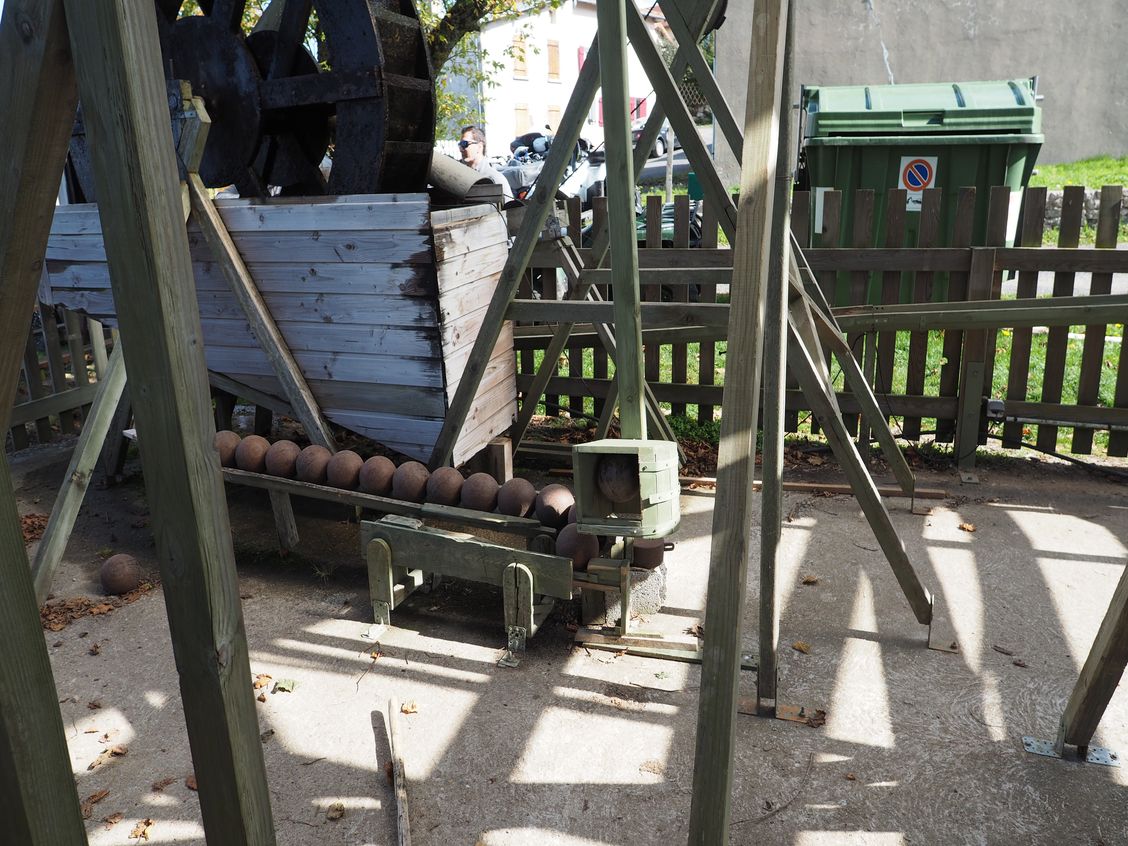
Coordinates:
[290,92]
[291,36]
[227,12]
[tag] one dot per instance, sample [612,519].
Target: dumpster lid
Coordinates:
[1004,106]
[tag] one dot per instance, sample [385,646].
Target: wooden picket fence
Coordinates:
[924,379]
[65,357]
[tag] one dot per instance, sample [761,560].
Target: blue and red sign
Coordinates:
[918,175]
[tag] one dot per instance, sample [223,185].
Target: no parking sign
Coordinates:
[917,173]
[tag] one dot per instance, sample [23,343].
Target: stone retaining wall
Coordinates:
[1092,208]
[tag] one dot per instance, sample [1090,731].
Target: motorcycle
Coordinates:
[584,174]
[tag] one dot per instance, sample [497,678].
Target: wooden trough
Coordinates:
[378,298]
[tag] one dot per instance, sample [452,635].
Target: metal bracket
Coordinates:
[1093,754]
[968,478]
[813,717]
[375,631]
[515,648]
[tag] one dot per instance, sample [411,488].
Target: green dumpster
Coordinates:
[948,136]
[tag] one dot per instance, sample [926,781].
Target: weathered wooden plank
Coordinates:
[893,238]
[957,292]
[38,801]
[679,359]
[76,346]
[464,556]
[471,268]
[319,366]
[600,363]
[728,567]
[33,373]
[927,236]
[55,404]
[858,293]
[1053,373]
[653,314]
[973,375]
[123,92]
[357,339]
[651,291]
[1092,354]
[707,349]
[287,370]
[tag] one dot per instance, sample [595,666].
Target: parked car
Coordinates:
[661,143]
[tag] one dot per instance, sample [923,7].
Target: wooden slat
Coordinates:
[356,339]
[123,88]
[894,238]
[653,293]
[76,346]
[1092,354]
[38,800]
[858,290]
[957,292]
[33,371]
[679,352]
[927,236]
[974,377]
[707,349]
[599,354]
[1053,375]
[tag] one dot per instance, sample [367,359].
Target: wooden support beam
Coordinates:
[612,22]
[775,387]
[85,456]
[536,213]
[38,801]
[127,121]
[1100,674]
[262,324]
[973,376]
[732,517]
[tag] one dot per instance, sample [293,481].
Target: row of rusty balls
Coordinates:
[553,505]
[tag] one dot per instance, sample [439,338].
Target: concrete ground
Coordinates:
[585,748]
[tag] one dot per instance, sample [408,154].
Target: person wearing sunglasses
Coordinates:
[472,148]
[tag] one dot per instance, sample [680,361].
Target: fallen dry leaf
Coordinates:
[698,630]
[158,786]
[141,830]
[851,777]
[818,719]
[1000,649]
[261,697]
[284,686]
[190,782]
[106,754]
[266,735]
[810,580]
[90,801]
[653,767]
[409,708]
[113,819]
[94,705]
[95,649]
[967,527]
[1018,662]
[335,812]
[33,526]
[814,459]
[802,646]
[261,681]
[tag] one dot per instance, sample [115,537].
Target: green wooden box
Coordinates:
[651,511]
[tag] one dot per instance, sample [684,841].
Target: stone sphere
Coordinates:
[225,443]
[581,548]
[343,470]
[516,497]
[250,455]
[120,574]
[312,463]
[409,482]
[573,514]
[480,492]
[281,459]
[617,477]
[552,505]
[376,475]
[444,486]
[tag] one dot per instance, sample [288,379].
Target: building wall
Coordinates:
[515,104]
[1078,51]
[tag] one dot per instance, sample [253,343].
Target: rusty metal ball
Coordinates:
[581,548]
[376,475]
[444,487]
[480,492]
[281,459]
[409,482]
[250,455]
[343,470]
[552,505]
[617,477]
[225,443]
[516,497]
[120,574]
[648,553]
[312,463]
[573,514]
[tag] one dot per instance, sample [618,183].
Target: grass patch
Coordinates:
[1092,172]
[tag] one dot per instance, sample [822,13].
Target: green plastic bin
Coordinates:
[948,136]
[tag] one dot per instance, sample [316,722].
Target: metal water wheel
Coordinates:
[350,78]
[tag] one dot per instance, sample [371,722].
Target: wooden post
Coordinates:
[775,375]
[38,802]
[973,376]
[127,120]
[1100,674]
[728,563]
